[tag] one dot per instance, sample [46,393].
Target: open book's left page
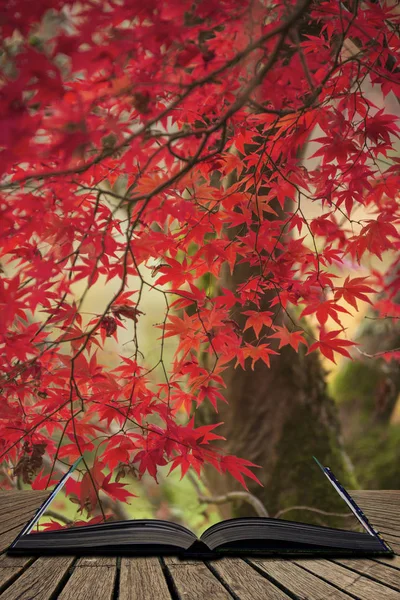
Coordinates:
[128,499]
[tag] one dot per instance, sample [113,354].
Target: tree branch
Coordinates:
[316,510]
[53,514]
[232,496]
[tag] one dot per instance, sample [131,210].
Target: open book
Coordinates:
[240,536]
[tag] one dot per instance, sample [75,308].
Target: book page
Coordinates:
[169,499]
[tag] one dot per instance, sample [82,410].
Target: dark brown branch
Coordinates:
[280,30]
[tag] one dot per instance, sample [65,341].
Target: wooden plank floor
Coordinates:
[71,578]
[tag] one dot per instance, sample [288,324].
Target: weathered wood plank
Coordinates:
[12,494]
[383,516]
[377,571]
[303,584]
[12,504]
[394,542]
[16,491]
[19,518]
[386,526]
[7,498]
[379,506]
[245,581]
[380,511]
[40,581]
[174,560]
[348,581]
[95,561]
[385,494]
[9,536]
[14,561]
[375,505]
[24,511]
[11,566]
[387,534]
[194,581]
[142,579]
[9,529]
[6,495]
[92,578]
[377,501]
[386,529]
[391,561]
[17,513]
[15,509]
[383,522]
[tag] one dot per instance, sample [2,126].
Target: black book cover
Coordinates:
[252,535]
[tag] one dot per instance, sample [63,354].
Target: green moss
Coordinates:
[376,457]
[371,442]
[356,380]
[296,479]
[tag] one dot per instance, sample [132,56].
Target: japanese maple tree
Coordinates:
[198,111]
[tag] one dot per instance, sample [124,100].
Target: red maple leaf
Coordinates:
[352,289]
[286,337]
[329,342]
[116,490]
[323,310]
[374,237]
[257,319]
[262,351]
[238,467]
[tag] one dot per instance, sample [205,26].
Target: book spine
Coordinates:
[199,550]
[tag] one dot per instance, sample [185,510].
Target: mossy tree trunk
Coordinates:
[367,388]
[366,391]
[280,418]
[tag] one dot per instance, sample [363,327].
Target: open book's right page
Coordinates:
[325,506]
[322,506]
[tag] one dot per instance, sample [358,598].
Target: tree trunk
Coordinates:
[279,418]
[366,389]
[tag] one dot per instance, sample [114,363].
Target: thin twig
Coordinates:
[53,514]
[231,496]
[376,354]
[316,510]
